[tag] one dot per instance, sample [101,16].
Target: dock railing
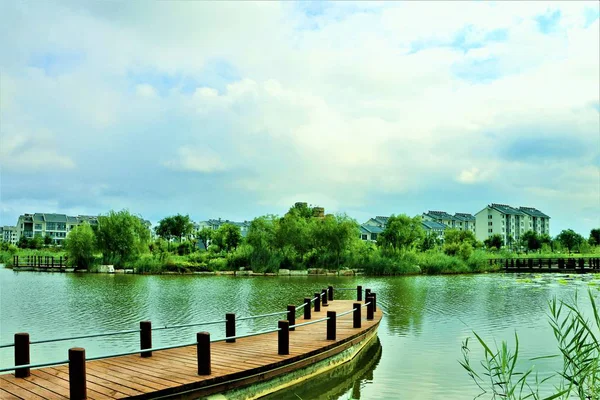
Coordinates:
[77,358]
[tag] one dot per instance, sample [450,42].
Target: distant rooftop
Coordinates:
[534,212]
[506,209]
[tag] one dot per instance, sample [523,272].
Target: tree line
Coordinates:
[297,240]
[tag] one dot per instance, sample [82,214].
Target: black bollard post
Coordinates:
[330,293]
[307,307]
[291,316]
[359,293]
[283,338]
[77,383]
[370,313]
[324,297]
[318,302]
[146,338]
[357,319]
[230,327]
[374,298]
[203,352]
[22,354]
[331,322]
[367,293]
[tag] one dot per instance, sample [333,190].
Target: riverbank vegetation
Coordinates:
[578,342]
[300,240]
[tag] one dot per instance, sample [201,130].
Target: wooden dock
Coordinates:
[566,265]
[173,373]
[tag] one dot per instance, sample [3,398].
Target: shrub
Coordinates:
[434,262]
[240,257]
[148,264]
[217,264]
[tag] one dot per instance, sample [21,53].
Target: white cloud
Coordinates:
[29,154]
[345,111]
[200,159]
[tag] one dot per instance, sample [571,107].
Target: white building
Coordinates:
[509,222]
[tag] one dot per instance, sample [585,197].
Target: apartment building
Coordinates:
[460,221]
[8,234]
[217,223]
[370,230]
[57,226]
[509,222]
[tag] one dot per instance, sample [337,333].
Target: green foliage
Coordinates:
[435,262]
[531,241]
[186,247]
[496,241]
[121,237]
[594,239]
[47,240]
[402,233]
[570,239]
[148,264]
[205,235]
[429,242]
[261,237]
[177,226]
[217,264]
[579,346]
[80,245]
[240,257]
[228,237]
[333,235]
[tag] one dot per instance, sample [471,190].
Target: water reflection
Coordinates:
[345,381]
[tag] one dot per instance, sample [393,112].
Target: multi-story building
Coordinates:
[56,226]
[464,222]
[217,223]
[509,222]
[460,221]
[536,220]
[8,234]
[437,229]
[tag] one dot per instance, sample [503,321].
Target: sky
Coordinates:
[238,109]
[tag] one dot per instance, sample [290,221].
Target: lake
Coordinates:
[426,320]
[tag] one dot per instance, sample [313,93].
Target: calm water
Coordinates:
[426,319]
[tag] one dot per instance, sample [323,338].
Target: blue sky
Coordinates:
[236,110]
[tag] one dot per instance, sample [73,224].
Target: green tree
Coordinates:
[47,240]
[80,245]
[121,237]
[36,243]
[429,242]
[295,232]
[23,242]
[402,232]
[334,235]
[594,239]
[570,239]
[205,235]
[496,240]
[261,237]
[228,237]
[456,236]
[177,226]
[531,241]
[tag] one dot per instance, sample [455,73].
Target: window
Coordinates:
[363,237]
[489,230]
[373,236]
[38,227]
[490,223]
[502,230]
[489,217]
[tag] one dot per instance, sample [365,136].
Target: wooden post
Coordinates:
[506,264]
[324,294]
[283,338]
[230,327]
[356,315]
[512,262]
[330,293]
[77,383]
[359,293]
[331,322]
[203,352]
[22,354]
[561,263]
[291,316]
[307,308]
[367,294]
[530,263]
[318,302]
[146,338]
[16,261]
[549,263]
[370,313]
[374,298]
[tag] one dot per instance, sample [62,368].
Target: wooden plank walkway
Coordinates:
[173,371]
